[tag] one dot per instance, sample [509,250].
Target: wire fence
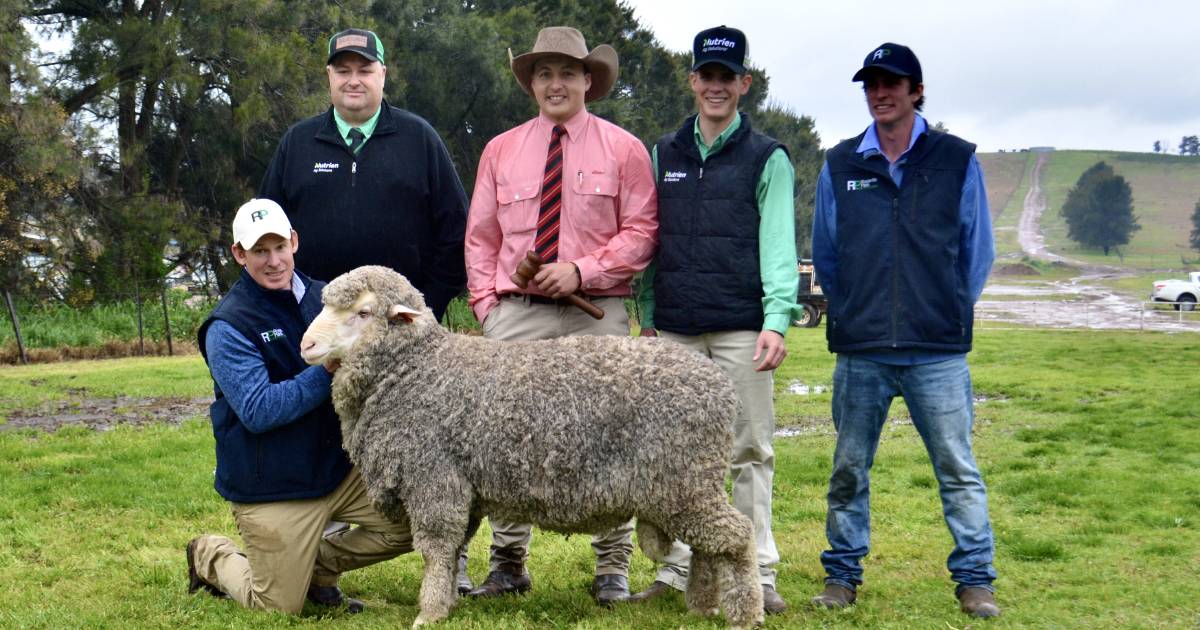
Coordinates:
[137,322]
[1104,313]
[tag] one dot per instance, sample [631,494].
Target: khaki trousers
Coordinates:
[517,319]
[285,551]
[753,459]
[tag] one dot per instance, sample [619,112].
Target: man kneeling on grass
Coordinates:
[280,461]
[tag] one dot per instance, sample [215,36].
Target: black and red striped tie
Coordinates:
[546,243]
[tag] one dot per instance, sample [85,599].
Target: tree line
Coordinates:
[125,155]
[1188,145]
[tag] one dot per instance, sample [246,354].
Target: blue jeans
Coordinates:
[939,399]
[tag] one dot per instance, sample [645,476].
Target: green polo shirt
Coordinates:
[366,128]
[776,237]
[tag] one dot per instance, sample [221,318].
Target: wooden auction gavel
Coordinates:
[528,268]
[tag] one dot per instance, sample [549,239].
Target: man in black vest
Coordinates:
[724,280]
[280,461]
[371,184]
[902,243]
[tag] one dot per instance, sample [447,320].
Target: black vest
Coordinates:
[899,284]
[303,459]
[707,277]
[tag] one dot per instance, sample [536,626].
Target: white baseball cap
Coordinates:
[257,218]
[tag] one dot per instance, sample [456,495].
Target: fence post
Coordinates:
[167,321]
[137,294]
[12,312]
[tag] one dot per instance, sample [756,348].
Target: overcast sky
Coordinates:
[1004,74]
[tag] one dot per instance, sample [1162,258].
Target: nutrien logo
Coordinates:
[719,42]
[674,176]
[325,167]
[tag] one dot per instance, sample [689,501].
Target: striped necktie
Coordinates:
[546,243]
[356,139]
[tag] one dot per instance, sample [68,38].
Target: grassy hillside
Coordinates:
[1004,174]
[1165,191]
[1007,178]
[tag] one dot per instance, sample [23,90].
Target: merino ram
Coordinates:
[577,434]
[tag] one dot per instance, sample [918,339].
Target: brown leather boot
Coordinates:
[195,582]
[654,591]
[978,602]
[507,578]
[835,596]
[773,603]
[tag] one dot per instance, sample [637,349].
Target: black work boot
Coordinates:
[332,597]
[462,579]
[507,578]
[610,589]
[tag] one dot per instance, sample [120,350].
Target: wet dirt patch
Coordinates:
[102,414]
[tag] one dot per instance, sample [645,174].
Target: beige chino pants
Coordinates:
[517,319]
[753,459]
[285,551]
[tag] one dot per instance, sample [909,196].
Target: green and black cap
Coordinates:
[358,41]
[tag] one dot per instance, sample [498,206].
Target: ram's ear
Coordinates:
[398,313]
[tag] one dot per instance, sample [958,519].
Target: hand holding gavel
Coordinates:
[528,268]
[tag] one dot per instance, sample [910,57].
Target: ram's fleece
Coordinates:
[575,435]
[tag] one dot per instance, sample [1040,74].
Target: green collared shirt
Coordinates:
[776,236]
[366,128]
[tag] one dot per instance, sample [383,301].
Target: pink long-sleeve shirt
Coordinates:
[608,224]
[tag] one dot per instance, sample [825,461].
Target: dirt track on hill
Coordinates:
[1078,302]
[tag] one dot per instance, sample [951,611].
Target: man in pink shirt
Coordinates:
[578,191]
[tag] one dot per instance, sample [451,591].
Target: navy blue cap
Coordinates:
[721,44]
[894,58]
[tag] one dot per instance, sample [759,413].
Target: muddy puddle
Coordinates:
[103,414]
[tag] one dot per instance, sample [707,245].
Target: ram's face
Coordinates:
[334,333]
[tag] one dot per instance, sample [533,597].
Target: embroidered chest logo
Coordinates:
[271,335]
[862,184]
[674,176]
[325,167]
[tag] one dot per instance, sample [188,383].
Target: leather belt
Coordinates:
[541,299]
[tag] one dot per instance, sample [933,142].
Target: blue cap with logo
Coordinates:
[894,58]
[721,44]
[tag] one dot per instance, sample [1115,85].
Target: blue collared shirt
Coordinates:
[976,248]
[241,375]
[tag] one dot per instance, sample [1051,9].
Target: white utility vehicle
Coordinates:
[1182,292]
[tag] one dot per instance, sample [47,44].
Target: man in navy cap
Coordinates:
[724,280]
[902,243]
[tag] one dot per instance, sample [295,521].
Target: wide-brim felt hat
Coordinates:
[601,62]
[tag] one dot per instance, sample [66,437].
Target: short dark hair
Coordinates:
[912,87]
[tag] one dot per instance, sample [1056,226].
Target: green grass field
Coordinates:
[1165,191]
[1089,443]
